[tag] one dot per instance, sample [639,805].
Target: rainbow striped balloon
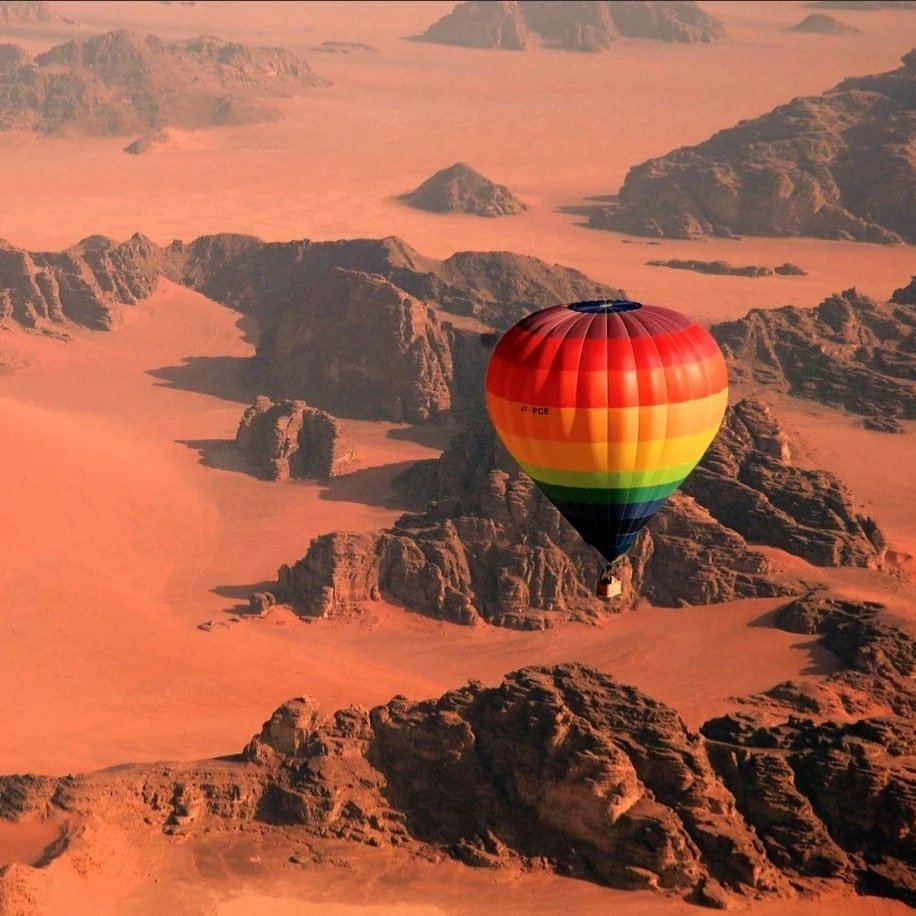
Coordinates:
[607,405]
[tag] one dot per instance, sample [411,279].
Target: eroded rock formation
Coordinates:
[31,12]
[362,347]
[79,285]
[490,546]
[291,439]
[836,166]
[574,26]
[821,24]
[460,189]
[723,268]
[825,770]
[257,277]
[564,768]
[849,352]
[122,82]
[748,481]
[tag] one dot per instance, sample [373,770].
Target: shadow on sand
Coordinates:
[369,486]
[222,454]
[225,377]
[431,436]
[820,659]
[242,593]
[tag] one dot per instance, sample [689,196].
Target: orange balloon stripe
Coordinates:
[606,424]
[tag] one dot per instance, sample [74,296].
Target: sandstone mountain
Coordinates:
[263,278]
[376,311]
[291,439]
[32,13]
[81,285]
[809,791]
[821,24]
[357,344]
[581,25]
[863,4]
[849,352]
[905,295]
[122,82]
[490,546]
[460,189]
[838,166]
[724,269]
[401,357]
[748,482]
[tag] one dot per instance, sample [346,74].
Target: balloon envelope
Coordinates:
[607,405]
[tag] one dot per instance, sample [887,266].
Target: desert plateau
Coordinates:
[287,626]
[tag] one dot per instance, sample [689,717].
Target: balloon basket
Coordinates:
[608,587]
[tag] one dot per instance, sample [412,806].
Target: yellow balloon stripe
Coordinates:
[633,455]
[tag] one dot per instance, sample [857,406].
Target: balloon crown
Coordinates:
[606,305]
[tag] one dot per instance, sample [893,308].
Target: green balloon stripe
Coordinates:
[613,495]
[610,480]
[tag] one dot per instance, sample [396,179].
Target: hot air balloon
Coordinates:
[607,405]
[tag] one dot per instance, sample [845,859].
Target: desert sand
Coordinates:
[128,520]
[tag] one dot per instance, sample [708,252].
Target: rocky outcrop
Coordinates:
[559,768]
[723,268]
[150,142]
[863,4]
[748,482]
[256,277]
[460,189]
[566,764]
[121,83]
[849,352]
[31,13]
[905,295]
[490,547]
[573,26]
[361,347]
[482,24]
[835,166]
[821,24]
[848,736]
[343,47]
[83,284]
[291,439]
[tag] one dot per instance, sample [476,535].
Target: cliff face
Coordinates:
[831,790]
[31,13]
[490,546]
[748,482]
[497,287]
[121,82]
[849,352]
[291,439]
[359,346]
[79,285]
[563,768]
[571,25]
[460,189]
[837,166]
